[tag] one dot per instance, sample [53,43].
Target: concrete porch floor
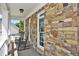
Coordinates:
[28,52]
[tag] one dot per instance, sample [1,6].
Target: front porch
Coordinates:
[49,29]
[8,31]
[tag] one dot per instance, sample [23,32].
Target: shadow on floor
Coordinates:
[28,52]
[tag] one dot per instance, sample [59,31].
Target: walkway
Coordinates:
[28,52]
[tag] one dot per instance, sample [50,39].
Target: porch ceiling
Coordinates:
[29,8]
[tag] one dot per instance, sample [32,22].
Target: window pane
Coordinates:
[42,44]
[41,24]
[78,9]
[65,4]
[41,31]
[41,34]
[41,38]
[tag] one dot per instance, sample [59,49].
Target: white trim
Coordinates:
[38,45]
[29,31]
[24,29]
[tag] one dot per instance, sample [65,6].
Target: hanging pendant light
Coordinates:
[21,10]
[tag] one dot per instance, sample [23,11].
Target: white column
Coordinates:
[24,29]
[4,26]
[4,21]
[29,30]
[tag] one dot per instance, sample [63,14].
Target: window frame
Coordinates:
[38,33]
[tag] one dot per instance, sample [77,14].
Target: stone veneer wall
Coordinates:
[33,28]
[61,30]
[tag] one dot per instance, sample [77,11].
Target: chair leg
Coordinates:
[25,46]
[18,46]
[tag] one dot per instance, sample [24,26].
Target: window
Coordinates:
[78,9]
[65,4]
[78,5]
[40,30]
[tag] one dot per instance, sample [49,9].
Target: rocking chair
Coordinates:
[22,43]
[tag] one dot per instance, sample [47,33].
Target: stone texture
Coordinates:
[34,30]
[61,30]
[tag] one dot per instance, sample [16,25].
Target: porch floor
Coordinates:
[28,52]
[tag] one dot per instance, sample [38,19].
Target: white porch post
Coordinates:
[29,32]
[4,26]
[24,29]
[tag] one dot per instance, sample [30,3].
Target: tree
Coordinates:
[21,26]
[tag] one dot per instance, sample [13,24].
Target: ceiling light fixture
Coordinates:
[21,10]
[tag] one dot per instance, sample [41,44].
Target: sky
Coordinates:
[0,16]
[14,21]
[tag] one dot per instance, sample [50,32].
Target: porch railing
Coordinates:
[12,49]
[3,49]
[8,49]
